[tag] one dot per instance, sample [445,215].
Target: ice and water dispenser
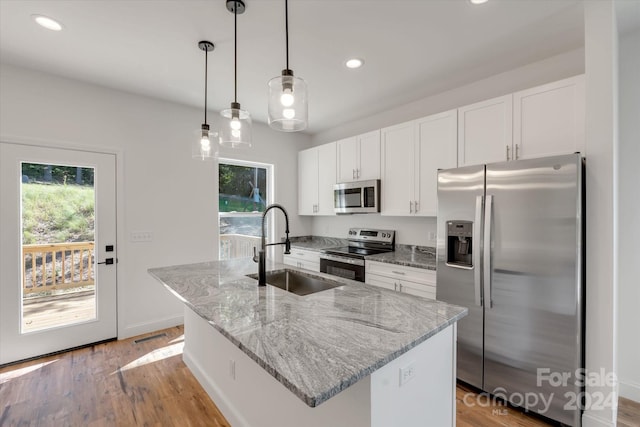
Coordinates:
[460,243]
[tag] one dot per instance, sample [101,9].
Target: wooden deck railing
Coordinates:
[57,266]
[237,245]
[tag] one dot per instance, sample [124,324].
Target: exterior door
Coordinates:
[59,292]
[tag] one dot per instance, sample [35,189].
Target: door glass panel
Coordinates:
[58,235]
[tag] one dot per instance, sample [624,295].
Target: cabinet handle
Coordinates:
[400,286]
[517,152]
[395,286]
[353,173]
[415,208]
[507,152]
[358,173]
[410,206]
[398,272]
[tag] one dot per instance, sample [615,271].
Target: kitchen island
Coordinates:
[354,355]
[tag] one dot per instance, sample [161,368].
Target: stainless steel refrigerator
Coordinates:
[510,248]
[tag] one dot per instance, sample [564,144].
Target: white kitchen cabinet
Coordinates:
[549,119]
[485,131]
[412,153]
[397,161]
[437,145]
[303,258]
[410,280]
[316,178]
[358,157]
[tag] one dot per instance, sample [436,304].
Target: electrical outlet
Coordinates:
[407,373]
[232,369]
[141,236]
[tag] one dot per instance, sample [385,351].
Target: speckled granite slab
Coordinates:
[317,243]
[411,256]
[316,345]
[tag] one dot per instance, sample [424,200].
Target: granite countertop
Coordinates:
[316,345]
[410,256]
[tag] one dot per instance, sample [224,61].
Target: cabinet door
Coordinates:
[347,159]
[369,155]
[381,281]
[326,178]
[438,149]
[485,131]
[417,289]
[549,120]
[397,161]
[308,181]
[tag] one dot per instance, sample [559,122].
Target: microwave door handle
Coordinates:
[477,271]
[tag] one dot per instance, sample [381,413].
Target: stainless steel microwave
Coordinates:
[357,197]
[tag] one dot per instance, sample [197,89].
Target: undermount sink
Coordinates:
[297,282]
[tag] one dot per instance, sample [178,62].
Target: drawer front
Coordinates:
[400,272]
[381,281]
[419,290]
[302,263]
[305,255]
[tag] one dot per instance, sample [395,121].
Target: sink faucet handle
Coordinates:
[255,254]
[287,246]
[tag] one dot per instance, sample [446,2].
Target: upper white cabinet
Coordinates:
[316,177]
[359,157]
[485,131]
[437,142]
[412,153]
[549,119]
[542,121]
[398,164]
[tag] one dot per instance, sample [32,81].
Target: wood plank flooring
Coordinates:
[124,383]
[51,311]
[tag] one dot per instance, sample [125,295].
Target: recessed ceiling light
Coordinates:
[354,63]
[48,23]
[478,1]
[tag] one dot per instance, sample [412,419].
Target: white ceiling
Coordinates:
[411,48]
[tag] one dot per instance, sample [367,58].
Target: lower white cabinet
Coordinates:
[410,280]
[302,258]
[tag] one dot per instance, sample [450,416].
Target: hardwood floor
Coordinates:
[51,311]
[138,382]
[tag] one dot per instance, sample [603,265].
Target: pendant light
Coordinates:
[203,147]
[235,129]
[288,108]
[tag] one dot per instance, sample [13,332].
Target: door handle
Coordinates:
[477,271]
[487,251]
[108,261]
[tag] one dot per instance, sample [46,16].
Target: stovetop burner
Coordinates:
[363,242]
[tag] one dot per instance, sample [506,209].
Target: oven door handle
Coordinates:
[345,260]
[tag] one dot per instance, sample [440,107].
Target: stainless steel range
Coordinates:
[348,261]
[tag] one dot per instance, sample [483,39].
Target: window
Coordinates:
[244,191]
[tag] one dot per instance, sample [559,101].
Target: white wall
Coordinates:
[161,188]
[418,231]
[628,215]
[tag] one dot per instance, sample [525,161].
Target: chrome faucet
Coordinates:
[260,257]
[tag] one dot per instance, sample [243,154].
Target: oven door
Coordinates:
[349,268]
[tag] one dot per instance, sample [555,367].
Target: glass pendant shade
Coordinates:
[205,144]
[288,107]
[235,127]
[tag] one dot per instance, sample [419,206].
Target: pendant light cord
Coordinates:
[286,28]
[235,52]
[206,64]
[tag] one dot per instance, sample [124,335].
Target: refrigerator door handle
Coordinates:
[477,271]
[486,265]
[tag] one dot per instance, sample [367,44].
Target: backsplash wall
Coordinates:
[419,231]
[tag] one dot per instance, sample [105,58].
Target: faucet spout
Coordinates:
[261,257]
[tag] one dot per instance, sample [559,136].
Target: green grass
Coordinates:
[57,213]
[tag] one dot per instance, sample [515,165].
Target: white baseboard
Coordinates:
[629,390]
[146,327]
